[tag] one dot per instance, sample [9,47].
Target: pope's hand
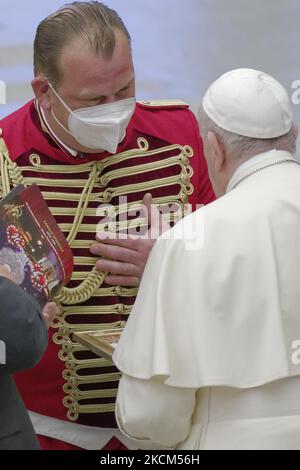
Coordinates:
[126,257]
[50,311]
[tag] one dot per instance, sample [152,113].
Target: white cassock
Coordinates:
[211,352]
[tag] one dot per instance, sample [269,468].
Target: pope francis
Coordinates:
[208,355]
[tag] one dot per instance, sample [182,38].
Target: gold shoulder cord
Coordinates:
[164,103]
[90,180]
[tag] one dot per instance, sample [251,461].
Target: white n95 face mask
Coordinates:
[99,127]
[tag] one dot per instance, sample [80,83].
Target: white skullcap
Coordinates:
[249,103]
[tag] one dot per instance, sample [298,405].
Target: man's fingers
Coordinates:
[51,308]
[124,281]
[128,242]
[155,217]
[118,268]
[50,311]
[146,209]
[114,252]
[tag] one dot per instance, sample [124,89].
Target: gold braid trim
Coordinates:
[10,172]
[78,295]
[95,279]
[95,187]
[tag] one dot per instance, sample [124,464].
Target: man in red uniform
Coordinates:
[87,143]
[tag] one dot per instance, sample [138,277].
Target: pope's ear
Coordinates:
[296,130]
[217,151]
[41,91]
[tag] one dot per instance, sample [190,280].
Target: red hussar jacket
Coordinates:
[161,154]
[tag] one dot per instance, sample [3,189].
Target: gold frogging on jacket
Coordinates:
[90,281]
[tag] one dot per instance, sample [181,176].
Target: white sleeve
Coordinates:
[154,415]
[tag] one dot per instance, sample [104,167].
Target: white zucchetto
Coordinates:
[249,103]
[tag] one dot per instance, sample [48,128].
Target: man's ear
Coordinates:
[41,91]
[217,151]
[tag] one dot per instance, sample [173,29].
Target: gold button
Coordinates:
[121,308]
[64,331]
[119,290]
[185,179]
[104,181]
[67,346]
[74,394]
[107,196]
[70,364]
[73,381]
[184,198]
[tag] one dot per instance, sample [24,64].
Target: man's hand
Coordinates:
[126,258]
[50,311]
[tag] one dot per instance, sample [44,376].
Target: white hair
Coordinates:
[241,147]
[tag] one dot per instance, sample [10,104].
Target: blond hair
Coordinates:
[93,21]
